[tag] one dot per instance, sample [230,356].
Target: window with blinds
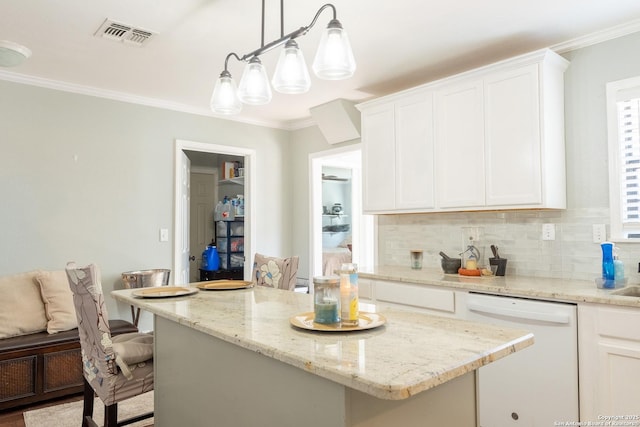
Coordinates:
[623,106]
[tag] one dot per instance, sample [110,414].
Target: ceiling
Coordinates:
[397,44]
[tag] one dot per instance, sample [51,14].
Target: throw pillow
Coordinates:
[21,307]
[58,301]
[131,349]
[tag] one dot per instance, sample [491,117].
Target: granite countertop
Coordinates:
[531,287]
[411,353]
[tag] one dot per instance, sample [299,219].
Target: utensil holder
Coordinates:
[501,265]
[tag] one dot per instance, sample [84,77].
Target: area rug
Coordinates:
[70,414]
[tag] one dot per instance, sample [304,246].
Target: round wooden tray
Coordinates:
[365,321]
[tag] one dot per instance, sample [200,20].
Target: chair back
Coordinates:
[275,272]
[98,357]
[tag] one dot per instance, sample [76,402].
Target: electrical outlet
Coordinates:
[164,234]
[548,232]
[599,233]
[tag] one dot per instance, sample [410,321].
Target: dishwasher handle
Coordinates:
[559,318]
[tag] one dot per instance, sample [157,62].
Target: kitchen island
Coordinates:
[232,358]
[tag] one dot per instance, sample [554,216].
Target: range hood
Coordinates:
[338,120]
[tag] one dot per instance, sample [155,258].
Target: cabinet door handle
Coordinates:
[192,258]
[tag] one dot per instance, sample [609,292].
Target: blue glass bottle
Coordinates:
[608,269]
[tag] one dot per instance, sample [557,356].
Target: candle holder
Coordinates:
[326,300]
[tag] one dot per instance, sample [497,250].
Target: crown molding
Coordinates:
[597,37]
[128,98]
[301,123]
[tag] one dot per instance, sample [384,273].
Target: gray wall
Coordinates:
[303,143]
[92,180]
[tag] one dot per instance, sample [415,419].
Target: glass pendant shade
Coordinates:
[225,95]
[291,75]
[254,86]
[334,59]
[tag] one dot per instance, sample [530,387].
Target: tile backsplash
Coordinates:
[518,235]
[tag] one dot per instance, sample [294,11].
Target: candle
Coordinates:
[326,312]
[326,299]
[349,315]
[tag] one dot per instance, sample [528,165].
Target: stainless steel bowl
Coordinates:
[146,278]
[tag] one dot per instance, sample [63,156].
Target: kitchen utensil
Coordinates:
[500,265]
[451,265]
[146,278]
[445,256]
[494,250]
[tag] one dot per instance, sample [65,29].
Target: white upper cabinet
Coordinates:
[398,158]
[378,160]
[459,150]
[491,138]
[414,152]
[512,137]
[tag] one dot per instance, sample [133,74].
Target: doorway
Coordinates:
[193,182]
[342,176]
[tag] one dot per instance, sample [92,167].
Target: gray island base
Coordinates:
[232,359]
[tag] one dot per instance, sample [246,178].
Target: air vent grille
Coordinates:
[123,33]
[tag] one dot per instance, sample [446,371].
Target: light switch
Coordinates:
[164,234]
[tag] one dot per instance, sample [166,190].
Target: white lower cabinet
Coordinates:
[609,361]
[407,296]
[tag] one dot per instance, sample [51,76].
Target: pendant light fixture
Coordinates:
[291,75]
[225,95]
[254,85]
[333,61]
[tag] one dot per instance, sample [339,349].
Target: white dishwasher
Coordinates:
[537,386]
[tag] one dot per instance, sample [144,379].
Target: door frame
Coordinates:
[363,231]
[249,194]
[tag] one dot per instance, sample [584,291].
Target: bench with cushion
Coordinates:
[40,356]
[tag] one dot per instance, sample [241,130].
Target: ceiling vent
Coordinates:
[123,33]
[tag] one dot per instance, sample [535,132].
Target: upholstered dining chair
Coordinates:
[115,368]
[275,272]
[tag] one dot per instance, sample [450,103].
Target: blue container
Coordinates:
[608,269]
[210,259]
